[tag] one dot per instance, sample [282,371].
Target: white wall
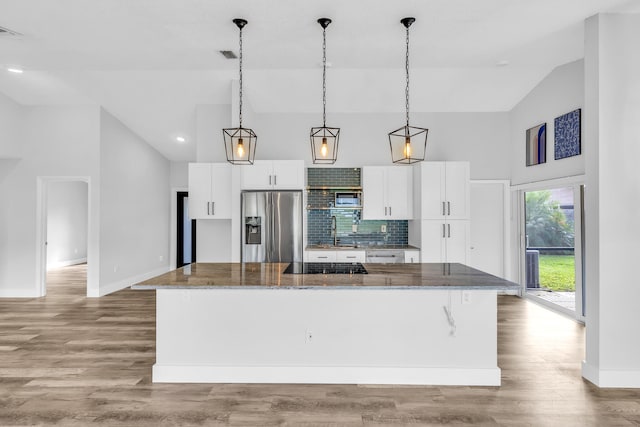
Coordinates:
[179,174]
[612,94]
[67,221]
[54,141]
[135,207]
[560,92]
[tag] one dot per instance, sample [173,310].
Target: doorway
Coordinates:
[553,256]
[63,233]
[185,231]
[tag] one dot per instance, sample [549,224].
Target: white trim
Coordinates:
[605,378]
[124,283]
[66,263]
[18,293]
[549,184]
[173,228]
[325,375]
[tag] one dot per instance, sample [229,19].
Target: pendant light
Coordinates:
[324,140]
[409,143]
[240,143]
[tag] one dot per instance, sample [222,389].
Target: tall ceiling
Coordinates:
[150,62]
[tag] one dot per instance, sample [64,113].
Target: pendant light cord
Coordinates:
[407,71]
[240,118]
[324,77]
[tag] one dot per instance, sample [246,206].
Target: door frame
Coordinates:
[576,182]
[180,196]
[42,197]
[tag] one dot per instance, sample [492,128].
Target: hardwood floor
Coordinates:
[69,360]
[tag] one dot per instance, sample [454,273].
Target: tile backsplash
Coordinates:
[319,220]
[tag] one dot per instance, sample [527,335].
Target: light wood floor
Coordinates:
[69,360]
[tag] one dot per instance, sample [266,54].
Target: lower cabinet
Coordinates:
[321,256]
[445,241]
[411,257]
[351,256]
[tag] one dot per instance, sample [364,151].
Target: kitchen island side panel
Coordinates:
[380,336]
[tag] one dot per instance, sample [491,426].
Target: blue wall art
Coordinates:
[537,145]
[567,135]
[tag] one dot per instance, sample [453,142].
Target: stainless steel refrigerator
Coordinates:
[271,226]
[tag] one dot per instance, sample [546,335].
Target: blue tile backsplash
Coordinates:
[319,220]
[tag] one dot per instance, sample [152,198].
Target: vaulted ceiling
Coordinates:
[150,62]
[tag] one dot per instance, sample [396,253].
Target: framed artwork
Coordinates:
[566,129]
[537,145]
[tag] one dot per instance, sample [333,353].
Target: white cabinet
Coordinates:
[321,256]
[209,191]
[351,256]
[445,241]
[387,192]
[443,190]
[411,257]
[273,174]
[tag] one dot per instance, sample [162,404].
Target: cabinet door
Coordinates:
[457,190]
[457,241]
[220,191]
[432,191]
[432,249]
[373,198]
[288,174]
[258,176]
[399,192]
[199,190]
[411,257]
[350,256]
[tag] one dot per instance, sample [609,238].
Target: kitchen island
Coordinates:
[398,324]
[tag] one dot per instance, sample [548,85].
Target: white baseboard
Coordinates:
[124,283]
[19,293]
[325,375]
[604,378]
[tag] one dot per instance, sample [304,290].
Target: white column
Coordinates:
[612,208]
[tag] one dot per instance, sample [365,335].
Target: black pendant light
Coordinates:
[409,143]
[240,143]
[324,140]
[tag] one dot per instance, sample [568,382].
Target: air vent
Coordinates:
[228,54]
[8,32]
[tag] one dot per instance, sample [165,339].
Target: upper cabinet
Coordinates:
[442,190]
[273,175]
[387,192]
[209,190]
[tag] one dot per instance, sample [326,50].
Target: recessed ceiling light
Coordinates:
[502,63]
[15,70]
[181,139]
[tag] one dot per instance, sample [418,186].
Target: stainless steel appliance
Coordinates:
[271,226]
[387,256]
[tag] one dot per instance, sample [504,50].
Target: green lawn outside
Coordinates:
[557,272]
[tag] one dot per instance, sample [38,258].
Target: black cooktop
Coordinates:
[325,268]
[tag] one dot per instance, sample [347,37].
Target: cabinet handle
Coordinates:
[449,230]
[385,211]
[213,208]
[208,209]
[443,232]
[443,209]
[389,210]
[275,179]
[323,257]
[448,208]
[269,179]
[350,257]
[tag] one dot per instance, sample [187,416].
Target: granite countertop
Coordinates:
[359,247]
[381,276]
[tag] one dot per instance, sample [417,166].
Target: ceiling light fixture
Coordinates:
[181,139]
[324,140]
[407,144]
[240,143]
[15,70]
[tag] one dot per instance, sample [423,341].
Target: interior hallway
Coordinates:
[69,360]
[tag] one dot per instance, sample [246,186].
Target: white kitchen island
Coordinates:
[399,324]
